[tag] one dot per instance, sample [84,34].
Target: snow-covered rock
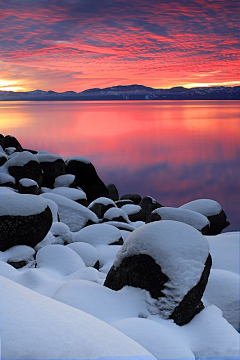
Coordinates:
[73,194]
[98,234]
[100,205]
[67,180]
[52,167]
[116,214]
[87,252]
[28,186]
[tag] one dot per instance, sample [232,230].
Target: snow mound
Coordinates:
[28,182]
[114,212]
[87,252]
[79,158]
[62,232]
[72,194]
[71,213]
[60,259]
[97,234]
[131,209]
[223,291]
[47,157]
[37,327]
[6,178]
[21,204]
[102,200]
[206,207]
[193,218]
[21,159]
[17,253]
[64,180]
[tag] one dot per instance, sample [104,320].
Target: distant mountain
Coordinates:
[128,92]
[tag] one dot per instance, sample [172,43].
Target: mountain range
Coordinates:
[128,92]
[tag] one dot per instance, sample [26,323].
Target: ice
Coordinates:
[97,234]
[36,327]
[14,204]
[193,218]
[205,207]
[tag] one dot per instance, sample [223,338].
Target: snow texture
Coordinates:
[21,205]
[17,253]
[206,207]
[86,251]
[72,194]
[5,177]
[28,182]
[115,213]
[97,234]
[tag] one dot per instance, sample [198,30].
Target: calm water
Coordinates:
[175,151]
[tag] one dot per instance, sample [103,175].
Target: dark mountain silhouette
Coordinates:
[128,92]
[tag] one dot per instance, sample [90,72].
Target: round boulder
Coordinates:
[28,186]
[113,192]
[67,180]
[134,197]
[52,167]
[148,204]
[101,205]
[24,220]
[134,212]
[171,261]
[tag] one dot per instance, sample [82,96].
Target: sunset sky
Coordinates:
[81,44]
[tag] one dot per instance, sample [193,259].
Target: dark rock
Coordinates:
[121,203]
[7,180]
[24,230]
[67,180]
[87,178]
[3,158]
[116,214]
[101,205]
[11,141]
[148,204]
[10,150]
[18,264]
[134,212]
[134,197]
[34,152]
[113,192]
[217,223]
[52,167]
[97,265]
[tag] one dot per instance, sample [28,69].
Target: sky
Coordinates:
[81,44]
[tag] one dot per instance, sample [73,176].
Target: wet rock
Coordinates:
[87,177]
[171,261]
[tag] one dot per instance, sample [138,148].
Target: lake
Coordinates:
[175,151]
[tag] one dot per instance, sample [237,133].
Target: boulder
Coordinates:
[134,197]
[7,180]
[113,192]
[73,194]
[197,220]
[87,177]
[24,220]
[28,186]
[24,165]
[99,234]
[134,212]
[101,205]
[116,214]
[171,261]
[52,167]
[67,180]
[148,204]
[11,141]
[3,158]
[19,256]
[213,211]
[121,203]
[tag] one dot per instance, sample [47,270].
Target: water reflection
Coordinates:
[174,150]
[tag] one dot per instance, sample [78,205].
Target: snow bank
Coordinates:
[37,327]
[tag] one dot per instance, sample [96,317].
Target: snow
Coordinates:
[5,178]
[164,340]
[64,180]
[47,157]
[122,225]
[86,251]
[223,291]
[71,213]
[97,234]
[211,336]
[107,254]
[115,213]
[72,194]
[102,200]
[28,182]
[193,218]
[21,159]
[17,253]
[80,159]
[205,207]
[131,209]
[179,249]
[54,209]
[225,250]
[21,205]
[60,259]
[62,232]
[37,327]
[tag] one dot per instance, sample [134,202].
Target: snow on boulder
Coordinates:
[122,225]
[3,158]
[116,214]
[164,340]
[61,232]
[11,141]
[87,177]
[87,252]
[52,167]
[74,215]
[134,197]
[212,210]
[98,234]
[28,186]
[60,259]
[211,336]
[66,180]
[148,204]
[193,218]
[134,212]
[24,165]
[36,327]
[24,220]
[73,194]
[223,291]
[18,256]
[169,259]
[6,179]
[101,205]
